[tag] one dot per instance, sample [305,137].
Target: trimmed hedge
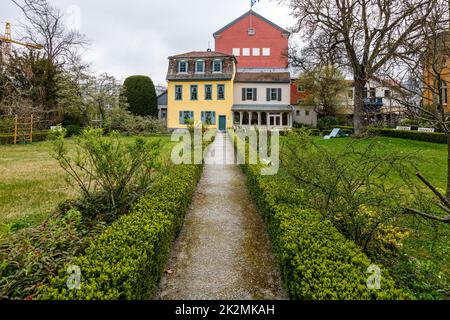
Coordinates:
[316,261]
[128,259]
[435,137]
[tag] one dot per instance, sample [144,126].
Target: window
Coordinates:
[266,52]
[220,92]
[178,93]
[307,112]
[387,93]
[365,93]
[217,66]
[236,52]
[208,92]
[186,117]
[373,93]
[444,92]
[250,94]
[300,88]
[194,92]
[274,94]
[297,113]
[200,66]
[182,66]
[256,52]
[350,94]
[300,101]
[209,117]
[246,52]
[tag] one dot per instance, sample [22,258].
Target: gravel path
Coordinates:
[223,251]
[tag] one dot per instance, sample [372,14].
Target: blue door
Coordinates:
[222,123]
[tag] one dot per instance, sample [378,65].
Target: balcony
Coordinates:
[373,104]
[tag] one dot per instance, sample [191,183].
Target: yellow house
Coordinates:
[437,75]
[200,90]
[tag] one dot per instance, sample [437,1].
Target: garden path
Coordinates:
[223,251]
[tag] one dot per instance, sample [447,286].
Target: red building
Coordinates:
[298,93]
[255,41]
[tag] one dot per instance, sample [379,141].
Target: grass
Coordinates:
[32,183]
[424,264]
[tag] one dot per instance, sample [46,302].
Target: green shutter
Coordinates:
[268,94]
[214,118]
[203,117]
[279,94]
[181,117]
[255,94]
[244,96]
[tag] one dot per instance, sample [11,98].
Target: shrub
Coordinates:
[435,137]
[30,256]
[124,122]
[128,259]
[316,261]
[73,130]
[327,122]
[141,96]
[108,170]
[351,187]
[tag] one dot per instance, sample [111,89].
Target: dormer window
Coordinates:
[200,66]
[217,66]
[182,66]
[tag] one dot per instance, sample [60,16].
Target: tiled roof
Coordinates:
[217,33]
[202,54]
[278,77]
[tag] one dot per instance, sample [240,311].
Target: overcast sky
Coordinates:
[136,36]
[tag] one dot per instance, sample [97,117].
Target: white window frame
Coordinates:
[266,52]
[221,65]
[236,52]
[179,66]
[246,52]
[196,64]
[256,52]
[300,86]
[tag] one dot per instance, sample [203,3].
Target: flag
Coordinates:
[253,2]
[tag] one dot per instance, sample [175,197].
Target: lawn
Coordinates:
[424,264]
[32,183]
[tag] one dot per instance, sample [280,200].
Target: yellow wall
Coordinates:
[221,107]
[430,80]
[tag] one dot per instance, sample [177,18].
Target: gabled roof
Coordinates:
[202,54]
[217,33]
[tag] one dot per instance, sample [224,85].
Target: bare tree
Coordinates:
[367,33]
[45,26]
[424,75]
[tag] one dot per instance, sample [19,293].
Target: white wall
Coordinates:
[261,91]
[301,115]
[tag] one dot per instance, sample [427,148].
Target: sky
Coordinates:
[131,37]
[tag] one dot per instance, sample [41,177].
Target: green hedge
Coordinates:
[316,261]
[435,137]
[128,259]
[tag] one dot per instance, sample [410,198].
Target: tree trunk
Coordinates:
[359,106]
[448,167]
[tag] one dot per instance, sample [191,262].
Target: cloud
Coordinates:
[137,36]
